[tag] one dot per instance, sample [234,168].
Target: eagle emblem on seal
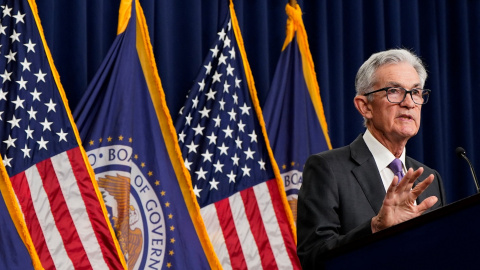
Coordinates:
[124,217]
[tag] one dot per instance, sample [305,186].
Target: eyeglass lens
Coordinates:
[399,94]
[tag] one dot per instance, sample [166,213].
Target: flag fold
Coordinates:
[131,144]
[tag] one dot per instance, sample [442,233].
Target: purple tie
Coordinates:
[396,167]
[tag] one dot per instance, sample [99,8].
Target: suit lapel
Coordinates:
[369,178]
[367,173]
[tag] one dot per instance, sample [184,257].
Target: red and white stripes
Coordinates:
[245,229]
[63,214]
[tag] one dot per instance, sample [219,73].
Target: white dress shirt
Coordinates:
[383,157]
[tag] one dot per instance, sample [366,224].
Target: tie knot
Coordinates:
[396,166]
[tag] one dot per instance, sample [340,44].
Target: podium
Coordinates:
[447,238]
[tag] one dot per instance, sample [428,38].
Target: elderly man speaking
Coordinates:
[369,185]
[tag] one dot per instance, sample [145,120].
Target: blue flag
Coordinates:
[13,253]
[131,145]
[293,110]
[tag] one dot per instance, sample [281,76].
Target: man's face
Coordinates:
[395,121]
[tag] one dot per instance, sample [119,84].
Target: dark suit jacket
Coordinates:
[341,191]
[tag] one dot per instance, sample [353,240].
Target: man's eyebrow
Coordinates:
[396,84]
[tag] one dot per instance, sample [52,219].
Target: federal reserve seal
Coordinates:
[133,207]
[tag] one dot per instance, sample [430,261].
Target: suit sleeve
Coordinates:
[319,223]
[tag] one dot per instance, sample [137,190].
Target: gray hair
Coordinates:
[365,78]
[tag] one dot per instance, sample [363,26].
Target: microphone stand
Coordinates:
[461,153]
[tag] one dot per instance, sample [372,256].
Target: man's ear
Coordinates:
[363,106]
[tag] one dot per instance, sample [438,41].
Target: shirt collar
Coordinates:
[383,157]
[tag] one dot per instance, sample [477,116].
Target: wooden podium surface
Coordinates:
[447,238]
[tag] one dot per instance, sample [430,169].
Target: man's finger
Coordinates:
[409,179]
[391,189]
[426,204]
[422,185]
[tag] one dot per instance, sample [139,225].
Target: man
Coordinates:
[351,192]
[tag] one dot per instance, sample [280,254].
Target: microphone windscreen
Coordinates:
[460,151]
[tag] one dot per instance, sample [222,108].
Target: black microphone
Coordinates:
[461,153]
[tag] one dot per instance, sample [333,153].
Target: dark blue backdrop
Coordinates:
[342,34]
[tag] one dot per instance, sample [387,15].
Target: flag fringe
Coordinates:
[124,13]
[149,67]
[295,25]
[258,111]
[61,91]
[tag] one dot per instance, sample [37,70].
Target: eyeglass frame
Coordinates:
[404,96]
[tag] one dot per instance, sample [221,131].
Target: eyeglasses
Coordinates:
[398,94]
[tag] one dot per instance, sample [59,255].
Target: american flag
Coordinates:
[67,226]
[233,178]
